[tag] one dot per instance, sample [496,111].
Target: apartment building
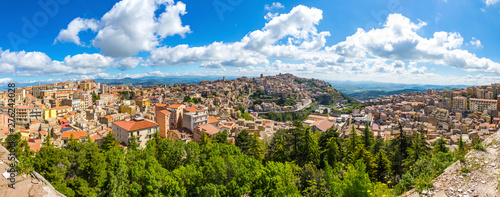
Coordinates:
[480,105]
[177,111]
[193,117]
[142,129]
[459,104]
[24,114]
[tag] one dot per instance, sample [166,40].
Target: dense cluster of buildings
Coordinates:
[472,113]
[88,110]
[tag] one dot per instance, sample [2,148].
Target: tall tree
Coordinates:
[109,142]
[382,166]
[280,152]
[367,137]
[205,140]
[332,153]
[256,149]
[309,149]
[244,141]
[417,150]
[221,137]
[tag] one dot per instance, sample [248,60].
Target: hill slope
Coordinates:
[482,180]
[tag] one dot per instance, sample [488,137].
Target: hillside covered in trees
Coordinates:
[296,162]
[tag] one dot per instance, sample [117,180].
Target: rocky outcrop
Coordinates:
[478,176]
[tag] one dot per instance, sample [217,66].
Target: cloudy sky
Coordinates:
[403,41]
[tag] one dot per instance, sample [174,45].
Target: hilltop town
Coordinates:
[89,110]
[59,114]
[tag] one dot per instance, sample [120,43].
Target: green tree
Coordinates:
[221,137]
[276,179]
[256,148]
[356,181]
[440,146]
[309,149]
[280,153]
[382,164]
[332,153]
[170,153]
[132,145]
[418,149]
[244,141]
[109,142]
[205,140]
[367,137]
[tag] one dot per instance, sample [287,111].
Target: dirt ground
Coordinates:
[478,176]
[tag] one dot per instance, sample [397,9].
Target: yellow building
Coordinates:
[49,113]
[129,109]
[141,102]
[56,112]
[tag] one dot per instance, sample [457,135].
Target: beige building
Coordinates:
[194,117]
[142,129]
[459,104]
[480,105]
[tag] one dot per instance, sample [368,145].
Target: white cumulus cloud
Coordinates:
[130,27]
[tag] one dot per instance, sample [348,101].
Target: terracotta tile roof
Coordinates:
[43,132]
[108,117]
[191,109]
[94,137]
[62,107]
[36,145]
[212,119]
[76,134]
[161,105]
[208,128]
[133,125]
[165,111]
[36,122]
[175,106]
[102,132]
[323,125]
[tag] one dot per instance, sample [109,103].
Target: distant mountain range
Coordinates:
[144,81]
[365,90]
[360,90]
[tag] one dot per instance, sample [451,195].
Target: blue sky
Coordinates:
[423,42]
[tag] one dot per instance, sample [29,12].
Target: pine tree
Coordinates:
[382,166]
[461,145]
[47,141]
[367,137]
[280,154]
[332,153]
[417,150]
[256,149]
[243,141]
[109,142]
[352,143]
[309,149]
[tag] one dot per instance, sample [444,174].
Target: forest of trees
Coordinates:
[296,162]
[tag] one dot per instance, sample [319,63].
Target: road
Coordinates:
[300,108]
